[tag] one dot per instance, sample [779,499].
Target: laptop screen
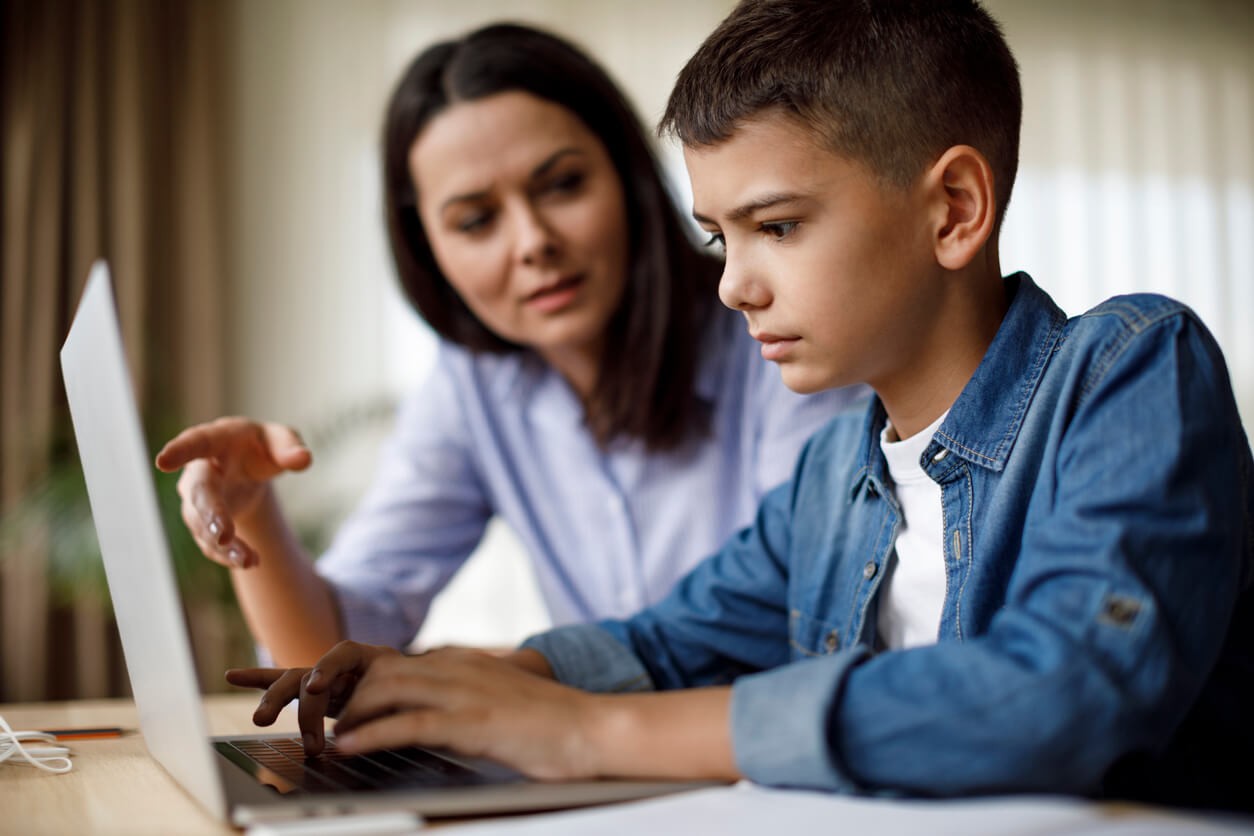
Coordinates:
[133,544]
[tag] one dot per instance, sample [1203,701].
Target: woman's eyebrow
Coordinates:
[539,171]
[468,197]
[552,159]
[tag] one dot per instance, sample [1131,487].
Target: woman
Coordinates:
[589,388]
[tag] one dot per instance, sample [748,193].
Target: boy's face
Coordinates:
[829,265]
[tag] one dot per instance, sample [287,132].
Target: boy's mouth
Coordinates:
[774,346]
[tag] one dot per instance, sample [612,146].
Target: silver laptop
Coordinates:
[256,777]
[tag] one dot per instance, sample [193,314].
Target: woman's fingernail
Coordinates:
[309,739]
[314,678]
[345,741]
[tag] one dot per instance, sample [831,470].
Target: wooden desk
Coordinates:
[115,786]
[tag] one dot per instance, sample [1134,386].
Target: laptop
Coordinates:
[259,777]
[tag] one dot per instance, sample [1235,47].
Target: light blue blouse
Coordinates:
[609,531]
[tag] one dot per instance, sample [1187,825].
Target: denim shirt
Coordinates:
[1097,629]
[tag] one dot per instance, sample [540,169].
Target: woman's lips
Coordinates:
[555,296]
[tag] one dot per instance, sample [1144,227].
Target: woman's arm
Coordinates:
[230,509]
[290,609]
[421,517]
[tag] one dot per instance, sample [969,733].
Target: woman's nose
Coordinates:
[535,240]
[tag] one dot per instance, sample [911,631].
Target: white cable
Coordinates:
[39,756]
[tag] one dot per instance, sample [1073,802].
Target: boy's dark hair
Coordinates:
[891,84]
[646,385]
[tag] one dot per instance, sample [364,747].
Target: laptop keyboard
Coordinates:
[335,771]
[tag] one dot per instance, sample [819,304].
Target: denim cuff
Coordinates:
[779,722]
[586,656]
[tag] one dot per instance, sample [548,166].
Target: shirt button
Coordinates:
[832,641]
[868,571]
[940,457]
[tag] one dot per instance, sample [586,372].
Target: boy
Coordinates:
[1025,568]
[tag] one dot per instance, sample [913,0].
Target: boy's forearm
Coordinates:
[674,735]
[531,661]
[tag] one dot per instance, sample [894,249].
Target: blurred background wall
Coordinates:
[1137,173]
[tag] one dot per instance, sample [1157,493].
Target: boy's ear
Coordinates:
[960,186]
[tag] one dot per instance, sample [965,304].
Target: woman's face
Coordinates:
[526,218]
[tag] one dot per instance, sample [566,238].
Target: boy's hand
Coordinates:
[323,690]
[451,697]
[507,709]
[475,704]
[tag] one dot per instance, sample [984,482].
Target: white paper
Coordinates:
[755,811]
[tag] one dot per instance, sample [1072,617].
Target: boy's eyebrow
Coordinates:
[537,172]
[744,210]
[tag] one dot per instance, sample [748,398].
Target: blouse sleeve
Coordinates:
[422,516]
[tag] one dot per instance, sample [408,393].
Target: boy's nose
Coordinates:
[740,290]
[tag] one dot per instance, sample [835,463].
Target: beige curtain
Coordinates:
[111,147]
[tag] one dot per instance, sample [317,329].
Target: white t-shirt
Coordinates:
[913,593]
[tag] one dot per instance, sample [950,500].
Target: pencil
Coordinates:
[74,734]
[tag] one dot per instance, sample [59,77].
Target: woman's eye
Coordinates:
[473,223]
[779,229]
[566,182]
[716,240]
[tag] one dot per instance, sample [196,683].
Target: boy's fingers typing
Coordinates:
[310,713]
[282,691]
[413,727]
[254,677]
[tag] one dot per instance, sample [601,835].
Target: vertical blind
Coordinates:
[1137,167]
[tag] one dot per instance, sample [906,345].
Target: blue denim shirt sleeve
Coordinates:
[792,754]
[588,656]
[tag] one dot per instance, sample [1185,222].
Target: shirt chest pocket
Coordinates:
[809,636]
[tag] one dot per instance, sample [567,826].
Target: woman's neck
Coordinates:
[579,366]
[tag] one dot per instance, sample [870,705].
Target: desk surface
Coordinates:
[117,788]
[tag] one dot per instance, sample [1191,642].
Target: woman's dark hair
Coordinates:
[646,384]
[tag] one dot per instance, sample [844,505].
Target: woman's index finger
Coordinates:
[189,445]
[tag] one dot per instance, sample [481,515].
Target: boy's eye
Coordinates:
[779,229]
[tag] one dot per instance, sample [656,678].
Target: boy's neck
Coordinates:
[949,349]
